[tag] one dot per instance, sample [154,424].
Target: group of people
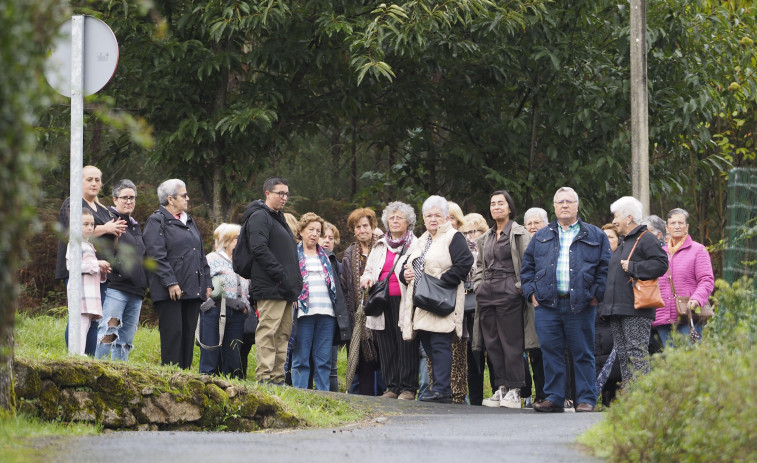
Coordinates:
[534,302]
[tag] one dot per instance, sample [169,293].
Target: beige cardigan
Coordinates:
[372,271]
[438,261]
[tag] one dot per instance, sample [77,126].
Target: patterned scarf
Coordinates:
[419,264]
[396,244]
[672,249]
[305,294]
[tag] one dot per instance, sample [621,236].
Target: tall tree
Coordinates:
[26,28]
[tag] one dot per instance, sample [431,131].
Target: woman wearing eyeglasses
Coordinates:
[127,279]
[180,275]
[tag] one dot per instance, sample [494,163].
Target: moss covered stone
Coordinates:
[122,396]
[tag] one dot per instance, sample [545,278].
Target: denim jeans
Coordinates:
[125,308]
[227,359]
[91,346]
[560,327]
[315,333]
[664,331]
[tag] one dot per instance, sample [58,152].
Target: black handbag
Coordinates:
[433,296]
[470,298]
[378,295]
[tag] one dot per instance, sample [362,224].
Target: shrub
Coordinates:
[699,403]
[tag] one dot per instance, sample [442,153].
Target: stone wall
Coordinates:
[122,396]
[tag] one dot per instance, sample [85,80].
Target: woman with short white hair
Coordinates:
[443,253]
[535,219]
[631,327]
[180,277]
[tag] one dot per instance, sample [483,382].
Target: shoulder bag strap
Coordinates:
[635,244]
[397,259]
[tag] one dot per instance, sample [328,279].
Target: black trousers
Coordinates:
[177,321]
[476,367]
[399,358]
[438,347]
[534,356]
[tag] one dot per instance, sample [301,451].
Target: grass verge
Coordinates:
[24,439]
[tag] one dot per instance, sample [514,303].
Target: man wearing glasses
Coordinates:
[563,274]
[275,278]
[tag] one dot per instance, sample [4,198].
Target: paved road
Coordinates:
[404,432]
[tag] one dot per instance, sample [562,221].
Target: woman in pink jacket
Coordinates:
[691,271]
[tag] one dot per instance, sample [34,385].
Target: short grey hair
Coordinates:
[627,205]
[123,184]
[169,188]
[435,201]
[569,190]
[402,208]
[677,211]
[536,211]
[654,224]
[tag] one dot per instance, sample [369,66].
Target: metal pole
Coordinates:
[639,107]
[77,156]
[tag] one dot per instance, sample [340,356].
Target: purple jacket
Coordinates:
[692,276]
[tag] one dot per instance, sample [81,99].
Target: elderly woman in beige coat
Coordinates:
[441,252]
[399,358]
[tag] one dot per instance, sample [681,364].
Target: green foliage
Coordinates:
[24,439]
[698,403]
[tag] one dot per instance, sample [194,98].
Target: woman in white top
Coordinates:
[317,307]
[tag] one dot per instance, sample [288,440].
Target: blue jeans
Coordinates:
[227,359]
[556,328]
[315,333]
[125,308]
[663,331]
[91,346]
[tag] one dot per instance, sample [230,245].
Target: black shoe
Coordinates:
[436,397]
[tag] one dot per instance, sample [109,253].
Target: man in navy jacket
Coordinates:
[563,274]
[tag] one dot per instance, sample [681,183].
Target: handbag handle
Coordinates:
[633,249]
[395,261]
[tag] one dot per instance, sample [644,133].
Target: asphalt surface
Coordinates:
[401,432]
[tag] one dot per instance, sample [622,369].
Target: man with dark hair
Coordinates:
[564,273]
[275,281]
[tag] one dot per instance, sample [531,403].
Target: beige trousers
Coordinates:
[271,339]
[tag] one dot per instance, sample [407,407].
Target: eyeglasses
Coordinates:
[565,202]
[471,232]
[184,195]
[282,194]
[127,199]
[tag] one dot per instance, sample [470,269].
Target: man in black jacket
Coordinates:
[275,281]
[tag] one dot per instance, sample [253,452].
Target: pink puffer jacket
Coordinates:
[692,276]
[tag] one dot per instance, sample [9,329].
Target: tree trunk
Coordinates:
[217,212]
[7,392]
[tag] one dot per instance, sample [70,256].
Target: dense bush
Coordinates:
[699,403]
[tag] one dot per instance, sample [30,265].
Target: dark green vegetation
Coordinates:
[698,404]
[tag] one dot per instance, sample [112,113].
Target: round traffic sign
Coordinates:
[100,57]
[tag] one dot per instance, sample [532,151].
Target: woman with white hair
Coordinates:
[535,219]
[399,358]
[179,277]
[631,327]
[220,350]
[443,253]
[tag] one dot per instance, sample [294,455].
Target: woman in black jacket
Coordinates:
[631,327]
[127,279]
[180,276]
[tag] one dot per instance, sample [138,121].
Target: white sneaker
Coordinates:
[511,399]
[495,399]
[568,406]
